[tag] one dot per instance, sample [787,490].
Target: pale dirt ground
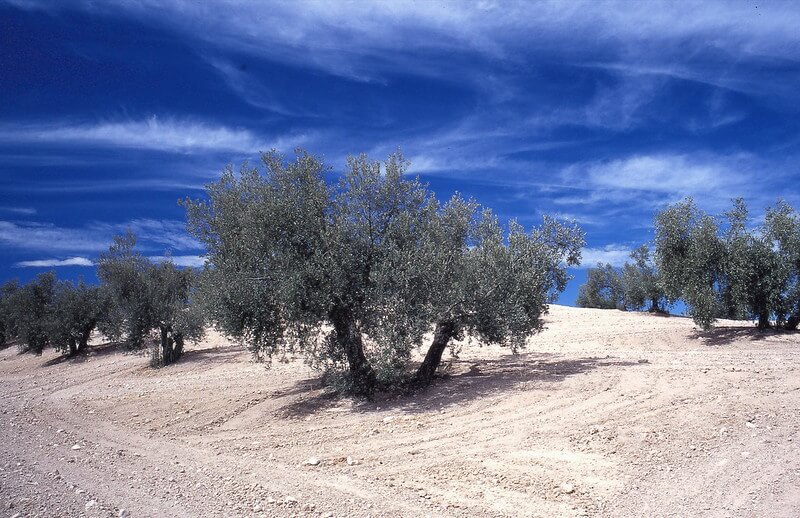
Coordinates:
[640,414]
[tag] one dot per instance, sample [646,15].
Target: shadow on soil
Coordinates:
[463,381]
[93,351]
[213,355]
[720,336]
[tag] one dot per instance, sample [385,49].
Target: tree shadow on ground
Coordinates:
[720,336]
[213,355]
[464,381]
[92,351]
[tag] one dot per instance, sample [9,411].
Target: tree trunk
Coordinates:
[178,349]
[442,335]
[84,340]
[348,338]
[791,324]
[73,347]
[763,319]
[166,346]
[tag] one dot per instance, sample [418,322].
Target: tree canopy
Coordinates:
[356,273]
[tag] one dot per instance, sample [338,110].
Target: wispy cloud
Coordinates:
[95,236]
[154,133]
[615,255]
[195,261]
[52,263]
[358,39]
[27,211]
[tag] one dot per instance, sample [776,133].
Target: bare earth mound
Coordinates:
[607,414]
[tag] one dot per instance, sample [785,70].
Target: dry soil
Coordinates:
[605,414]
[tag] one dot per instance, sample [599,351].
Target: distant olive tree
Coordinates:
[147,297]
[356,273]
[603,289]
[727,267]
[8,325]
[690,259]
[29,307]
[75,311]
[782,228]
[641,285]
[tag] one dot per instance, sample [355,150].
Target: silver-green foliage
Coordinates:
[146,297]
[355,273]
[641,284]
[726,266]
[28,308]
[75,311]
[603,289]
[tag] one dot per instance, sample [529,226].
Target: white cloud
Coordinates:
[50,263]
[95,236]
[356,38]
[615,255]
[174,135]
[27,211]
[195,261]
[675,174]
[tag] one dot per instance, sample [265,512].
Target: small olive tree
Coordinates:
[145,297]
[28,311]
[356,273]
[690,259]
[8,325]
[725,267]
[782,228]
[75,311]
[603,289]
[641,285]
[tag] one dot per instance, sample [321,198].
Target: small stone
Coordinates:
[288,500]
[327,515]
[750,424]
[90,504]
[76,447]
[312,461]
[271,500]
[567,488]
[351,461]
[388,419]
[123,513]
[79,491]
[257,508]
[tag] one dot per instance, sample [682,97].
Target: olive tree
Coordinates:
[355,273]
[28,310]
[726,266]
[641,285]
[690,259]
[8,326]
[75,311]
[603,289]
[490,282]
[145,297]
[782,229]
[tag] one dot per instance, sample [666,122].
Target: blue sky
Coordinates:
[602,112]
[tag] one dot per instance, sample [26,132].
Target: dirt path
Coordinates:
[607,414]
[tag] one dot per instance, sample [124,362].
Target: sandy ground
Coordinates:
[607,414]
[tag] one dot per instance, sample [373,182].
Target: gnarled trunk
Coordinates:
[349,339]
[763,319]
[442,335]
[73,347]
[792,323]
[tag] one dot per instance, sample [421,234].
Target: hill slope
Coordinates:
[607,413]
